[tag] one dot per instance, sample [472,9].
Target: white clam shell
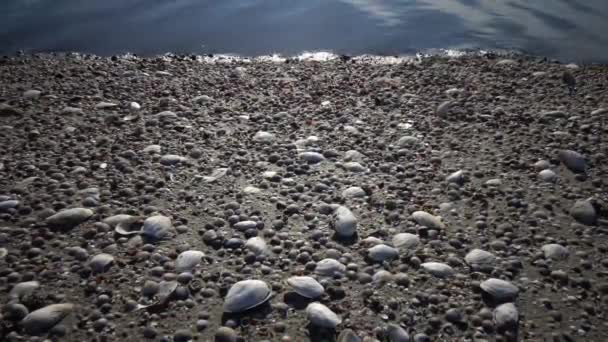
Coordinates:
[395,333]
[23,289]
[257,245]
[157,227]
[246,295]
[345,222]
[479,257]
[506,316]
[555,251]
[69,218]
[427,220]
[328,267]
[306,286]
[437,269]
[500,290]
[101,262]
[406,241]
[321,316]
[382,252]
[42,320]
[188,260]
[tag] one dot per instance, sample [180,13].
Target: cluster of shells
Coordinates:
[171,199]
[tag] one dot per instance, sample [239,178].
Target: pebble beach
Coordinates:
[193,198]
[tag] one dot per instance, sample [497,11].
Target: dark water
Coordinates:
[570,30]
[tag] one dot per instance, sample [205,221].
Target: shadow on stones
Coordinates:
[318,334]
[346,241]
[244,318]
[296,301]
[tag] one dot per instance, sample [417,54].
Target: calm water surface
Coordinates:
[570,30]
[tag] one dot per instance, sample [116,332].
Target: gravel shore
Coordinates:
[441,199]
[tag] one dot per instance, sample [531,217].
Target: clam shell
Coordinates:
[23,289]
[406,241]
[42,320]
[246,295]
[101,262]
[345,222]
[381,277]
[69,218]
[112,221]
[573,160]
[126,224]
[312,157]
[321,316]
[427,220]
[165,290]
[306,286]
[353,192]
[244,225]
[408,141]
[217,174]
[500,290]
[262,136]
[456,177]
[186,261]
[437,269]
[172,159]
[9,204]
[329,267]
[257,245]
[3,252]
[382,252]
[555,251]
[506,316]
[157,227]
[584,212]
[395,333]
[478,257]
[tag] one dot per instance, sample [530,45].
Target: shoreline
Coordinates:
[318,56]
[453,171]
